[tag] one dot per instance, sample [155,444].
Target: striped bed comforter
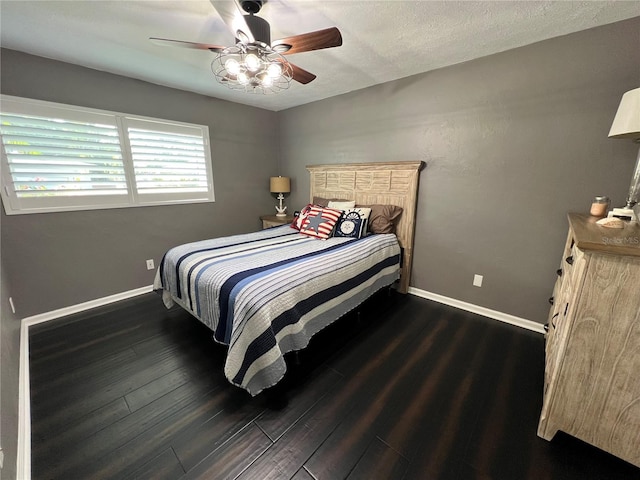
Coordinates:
[267,293]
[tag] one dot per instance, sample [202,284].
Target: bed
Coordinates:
[266,293]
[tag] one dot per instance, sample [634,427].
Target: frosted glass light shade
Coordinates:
[274,70]
[243,78]
[252,62]
[233,66]
[266,80]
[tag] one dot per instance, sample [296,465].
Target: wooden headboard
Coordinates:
[388,183]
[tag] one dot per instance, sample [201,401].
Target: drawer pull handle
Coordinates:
[551,300]
[553,324]
[569,260]
[559,272]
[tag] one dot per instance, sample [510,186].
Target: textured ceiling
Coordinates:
[382,40]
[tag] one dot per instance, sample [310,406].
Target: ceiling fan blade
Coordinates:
[165,42]
[233,17]
[301,75]
[305,42]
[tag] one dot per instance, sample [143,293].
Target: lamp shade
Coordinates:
[280,185]
[626,123]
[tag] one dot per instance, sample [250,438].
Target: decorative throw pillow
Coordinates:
[320,221]
[383,218]
[342,204]
[299,220]
[353,223]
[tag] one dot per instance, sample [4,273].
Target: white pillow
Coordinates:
[342,204]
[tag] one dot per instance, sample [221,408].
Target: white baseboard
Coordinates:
[23,466]
[81,307]
[485,312]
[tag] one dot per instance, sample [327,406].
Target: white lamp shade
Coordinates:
[280,185]
[626,123]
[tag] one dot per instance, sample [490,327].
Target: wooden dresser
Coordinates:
[592,371]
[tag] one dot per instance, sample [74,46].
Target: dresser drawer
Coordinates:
[573,263]
[558,327]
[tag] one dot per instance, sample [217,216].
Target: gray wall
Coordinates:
[55,260]
[9,372]
[512,142]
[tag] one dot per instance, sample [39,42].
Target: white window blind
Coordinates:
[168,160]
[57,157]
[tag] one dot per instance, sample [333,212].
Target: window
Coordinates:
[58,157]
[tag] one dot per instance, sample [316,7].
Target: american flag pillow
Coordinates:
[320,221]
[299,220]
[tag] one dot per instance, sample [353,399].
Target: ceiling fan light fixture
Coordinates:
[252,69]
[242,37]
[252,62]
[232,65]
[243,78]
[274,70]
[266,80]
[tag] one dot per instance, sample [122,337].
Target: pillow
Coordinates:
[383,218]
[342,204]
[353,223]
[320,221]
[323,202]
[299,220]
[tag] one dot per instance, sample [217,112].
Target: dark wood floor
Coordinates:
[415,390]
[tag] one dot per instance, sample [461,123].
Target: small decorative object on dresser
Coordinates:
[599,206]
[269,221]
[592,382]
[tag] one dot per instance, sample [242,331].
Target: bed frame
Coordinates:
[386,183]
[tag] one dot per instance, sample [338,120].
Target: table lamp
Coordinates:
[626,124]
[280,185]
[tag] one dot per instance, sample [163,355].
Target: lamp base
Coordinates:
[282,210]
[627,214]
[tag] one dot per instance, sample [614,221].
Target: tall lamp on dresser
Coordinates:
[626,124]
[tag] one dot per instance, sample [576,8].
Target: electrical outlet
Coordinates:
[13,307]
[150,265]
[477,280]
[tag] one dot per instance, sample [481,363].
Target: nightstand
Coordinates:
[269,221]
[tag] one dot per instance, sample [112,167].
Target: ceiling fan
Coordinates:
[255,64]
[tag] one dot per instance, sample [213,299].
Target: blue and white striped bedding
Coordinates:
[267,293]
